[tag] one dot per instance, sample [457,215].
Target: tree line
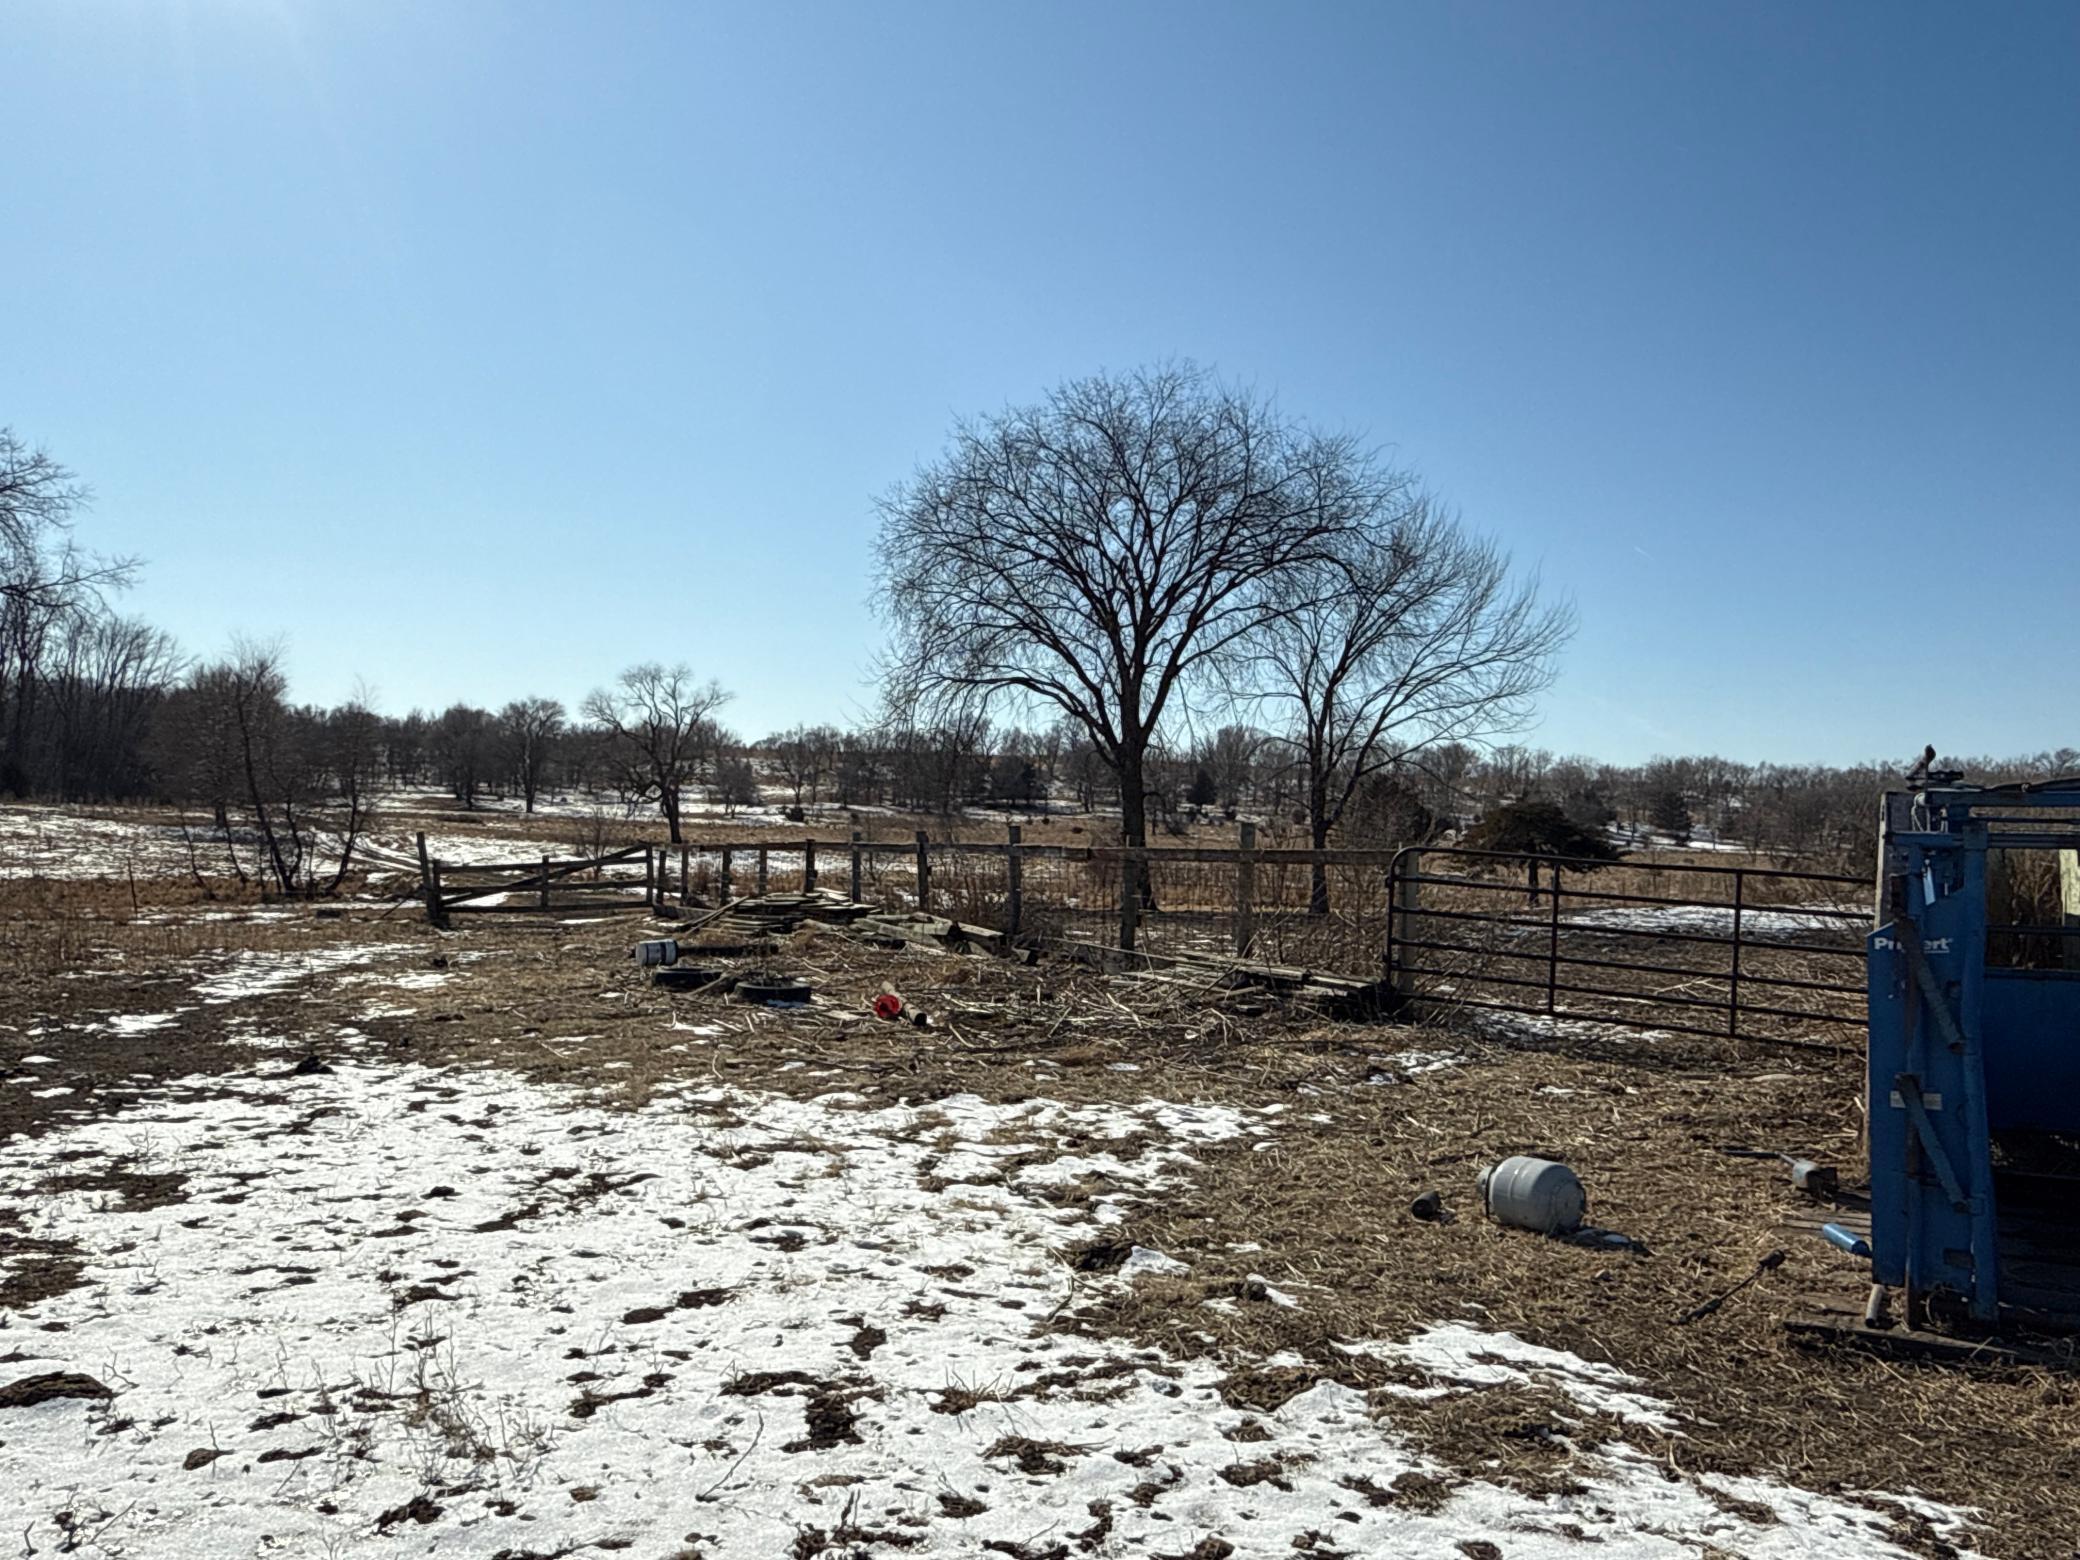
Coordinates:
[1148,595]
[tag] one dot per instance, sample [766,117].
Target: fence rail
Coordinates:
[1733,952]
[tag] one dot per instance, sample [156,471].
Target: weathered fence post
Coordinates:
[1014,880]
[724,889]
[650,894]
[924,872]
[1246,892]
[761,872]
[430,879]
[685,876]
[855,866]
[1408,899]
[808,866]
[545,883]
[1129,899]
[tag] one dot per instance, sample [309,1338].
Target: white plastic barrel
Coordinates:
[1534,1194]
[662,950]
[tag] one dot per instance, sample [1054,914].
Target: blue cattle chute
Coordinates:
[1974,1069]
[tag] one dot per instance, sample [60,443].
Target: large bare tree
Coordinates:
[1411,637]
[660,726]
[1102,551]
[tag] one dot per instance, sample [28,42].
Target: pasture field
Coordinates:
[324,1232]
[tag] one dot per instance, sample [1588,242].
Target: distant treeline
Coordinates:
[96,706]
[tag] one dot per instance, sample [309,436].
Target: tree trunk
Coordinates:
[669,796]
[1318,872]
[1133,801]
[1317,831]
[1133,820]
[267,835]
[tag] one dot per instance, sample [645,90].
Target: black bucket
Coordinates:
[774,990]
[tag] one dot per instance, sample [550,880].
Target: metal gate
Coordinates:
[1737,953]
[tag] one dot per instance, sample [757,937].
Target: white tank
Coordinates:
[663,950]
[1534,1194]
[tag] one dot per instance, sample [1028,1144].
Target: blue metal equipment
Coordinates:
[1975,1060]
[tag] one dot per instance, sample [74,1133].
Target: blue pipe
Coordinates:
[1845,1240]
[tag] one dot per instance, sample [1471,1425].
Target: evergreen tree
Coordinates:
[1669,813]
[1538,828]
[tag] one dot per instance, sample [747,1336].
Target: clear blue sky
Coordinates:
[482,349]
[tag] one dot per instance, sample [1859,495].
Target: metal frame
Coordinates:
[1748,990]
[1961,1053]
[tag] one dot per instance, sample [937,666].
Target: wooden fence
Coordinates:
[544,885]
[1187,899]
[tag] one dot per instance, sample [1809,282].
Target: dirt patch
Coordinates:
[830,1418]
[134,1190]
[34,1268]
[28,1391]
[419,1509]
[1035,1457]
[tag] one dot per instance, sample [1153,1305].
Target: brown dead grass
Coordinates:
[1641,1120]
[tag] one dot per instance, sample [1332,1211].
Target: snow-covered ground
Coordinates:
[400,1310]
[58,842]
[1717,920]
[421,803]
[1626,837]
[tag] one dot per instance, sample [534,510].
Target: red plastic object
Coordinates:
[888,1005]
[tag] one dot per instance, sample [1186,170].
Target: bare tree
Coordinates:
[1231,759]
[194,750]
[48,586]
[462,746]
[857,769]
[937,768]
[1102,551]
[528,727]
[736,783]
[804,756]
[659,725]
[405,743]
[38,499]
[351,743]
[1411,637]
[247,726]
[106,678]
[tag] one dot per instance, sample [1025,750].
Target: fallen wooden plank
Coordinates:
[1827,1322]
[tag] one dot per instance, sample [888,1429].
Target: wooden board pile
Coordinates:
[1248,985]
[777,915]
[767,916]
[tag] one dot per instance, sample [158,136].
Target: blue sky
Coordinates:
[483,349]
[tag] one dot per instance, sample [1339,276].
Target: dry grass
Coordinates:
[52,928]
[1641,1119]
